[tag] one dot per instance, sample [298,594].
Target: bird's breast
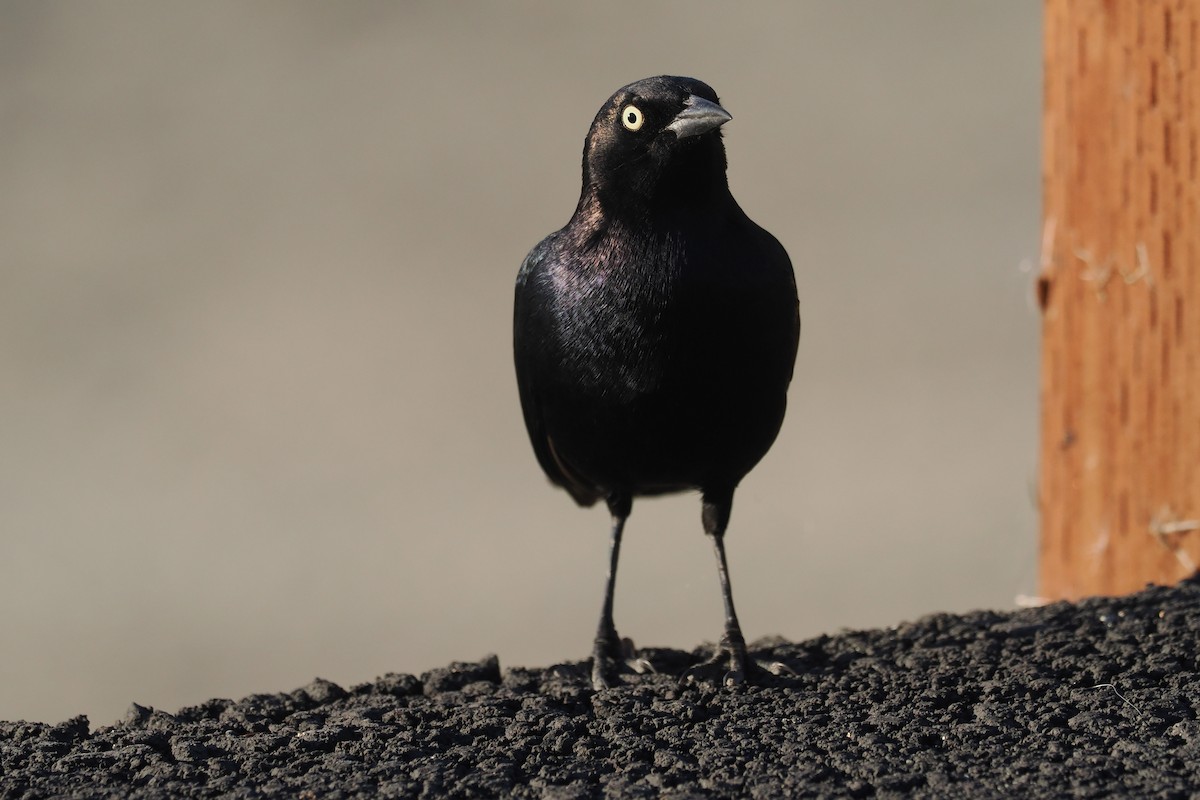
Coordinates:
[640,320]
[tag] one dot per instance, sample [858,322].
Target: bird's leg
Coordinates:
[607,648]
[731,651]
[732,642]
[610,651]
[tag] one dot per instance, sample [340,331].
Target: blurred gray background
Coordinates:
[258,420]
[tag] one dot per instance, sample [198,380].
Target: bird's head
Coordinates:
[656,141]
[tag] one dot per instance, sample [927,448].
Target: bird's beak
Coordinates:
[698,116]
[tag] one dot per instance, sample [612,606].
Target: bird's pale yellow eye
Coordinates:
[632,117]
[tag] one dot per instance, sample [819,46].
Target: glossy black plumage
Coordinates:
[655,334]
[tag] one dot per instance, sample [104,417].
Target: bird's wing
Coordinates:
[530,335]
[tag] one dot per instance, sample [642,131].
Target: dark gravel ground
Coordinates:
[1097,699]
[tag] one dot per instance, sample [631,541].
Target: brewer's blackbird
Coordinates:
[655,334]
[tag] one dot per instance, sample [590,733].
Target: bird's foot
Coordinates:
[730,665]
[613,656]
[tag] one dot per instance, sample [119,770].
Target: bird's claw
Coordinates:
[728,661]
[734,668]
[640,665]
[777,668]
[613,657]
[633,660]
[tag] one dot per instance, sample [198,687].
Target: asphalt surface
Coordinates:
[1096,699]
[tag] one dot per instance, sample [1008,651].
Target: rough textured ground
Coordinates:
[1097,699]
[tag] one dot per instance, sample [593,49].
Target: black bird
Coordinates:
[655,335]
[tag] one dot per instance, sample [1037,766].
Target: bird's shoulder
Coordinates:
[594,258]
[538,259]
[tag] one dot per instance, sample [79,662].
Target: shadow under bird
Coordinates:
[655,335]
